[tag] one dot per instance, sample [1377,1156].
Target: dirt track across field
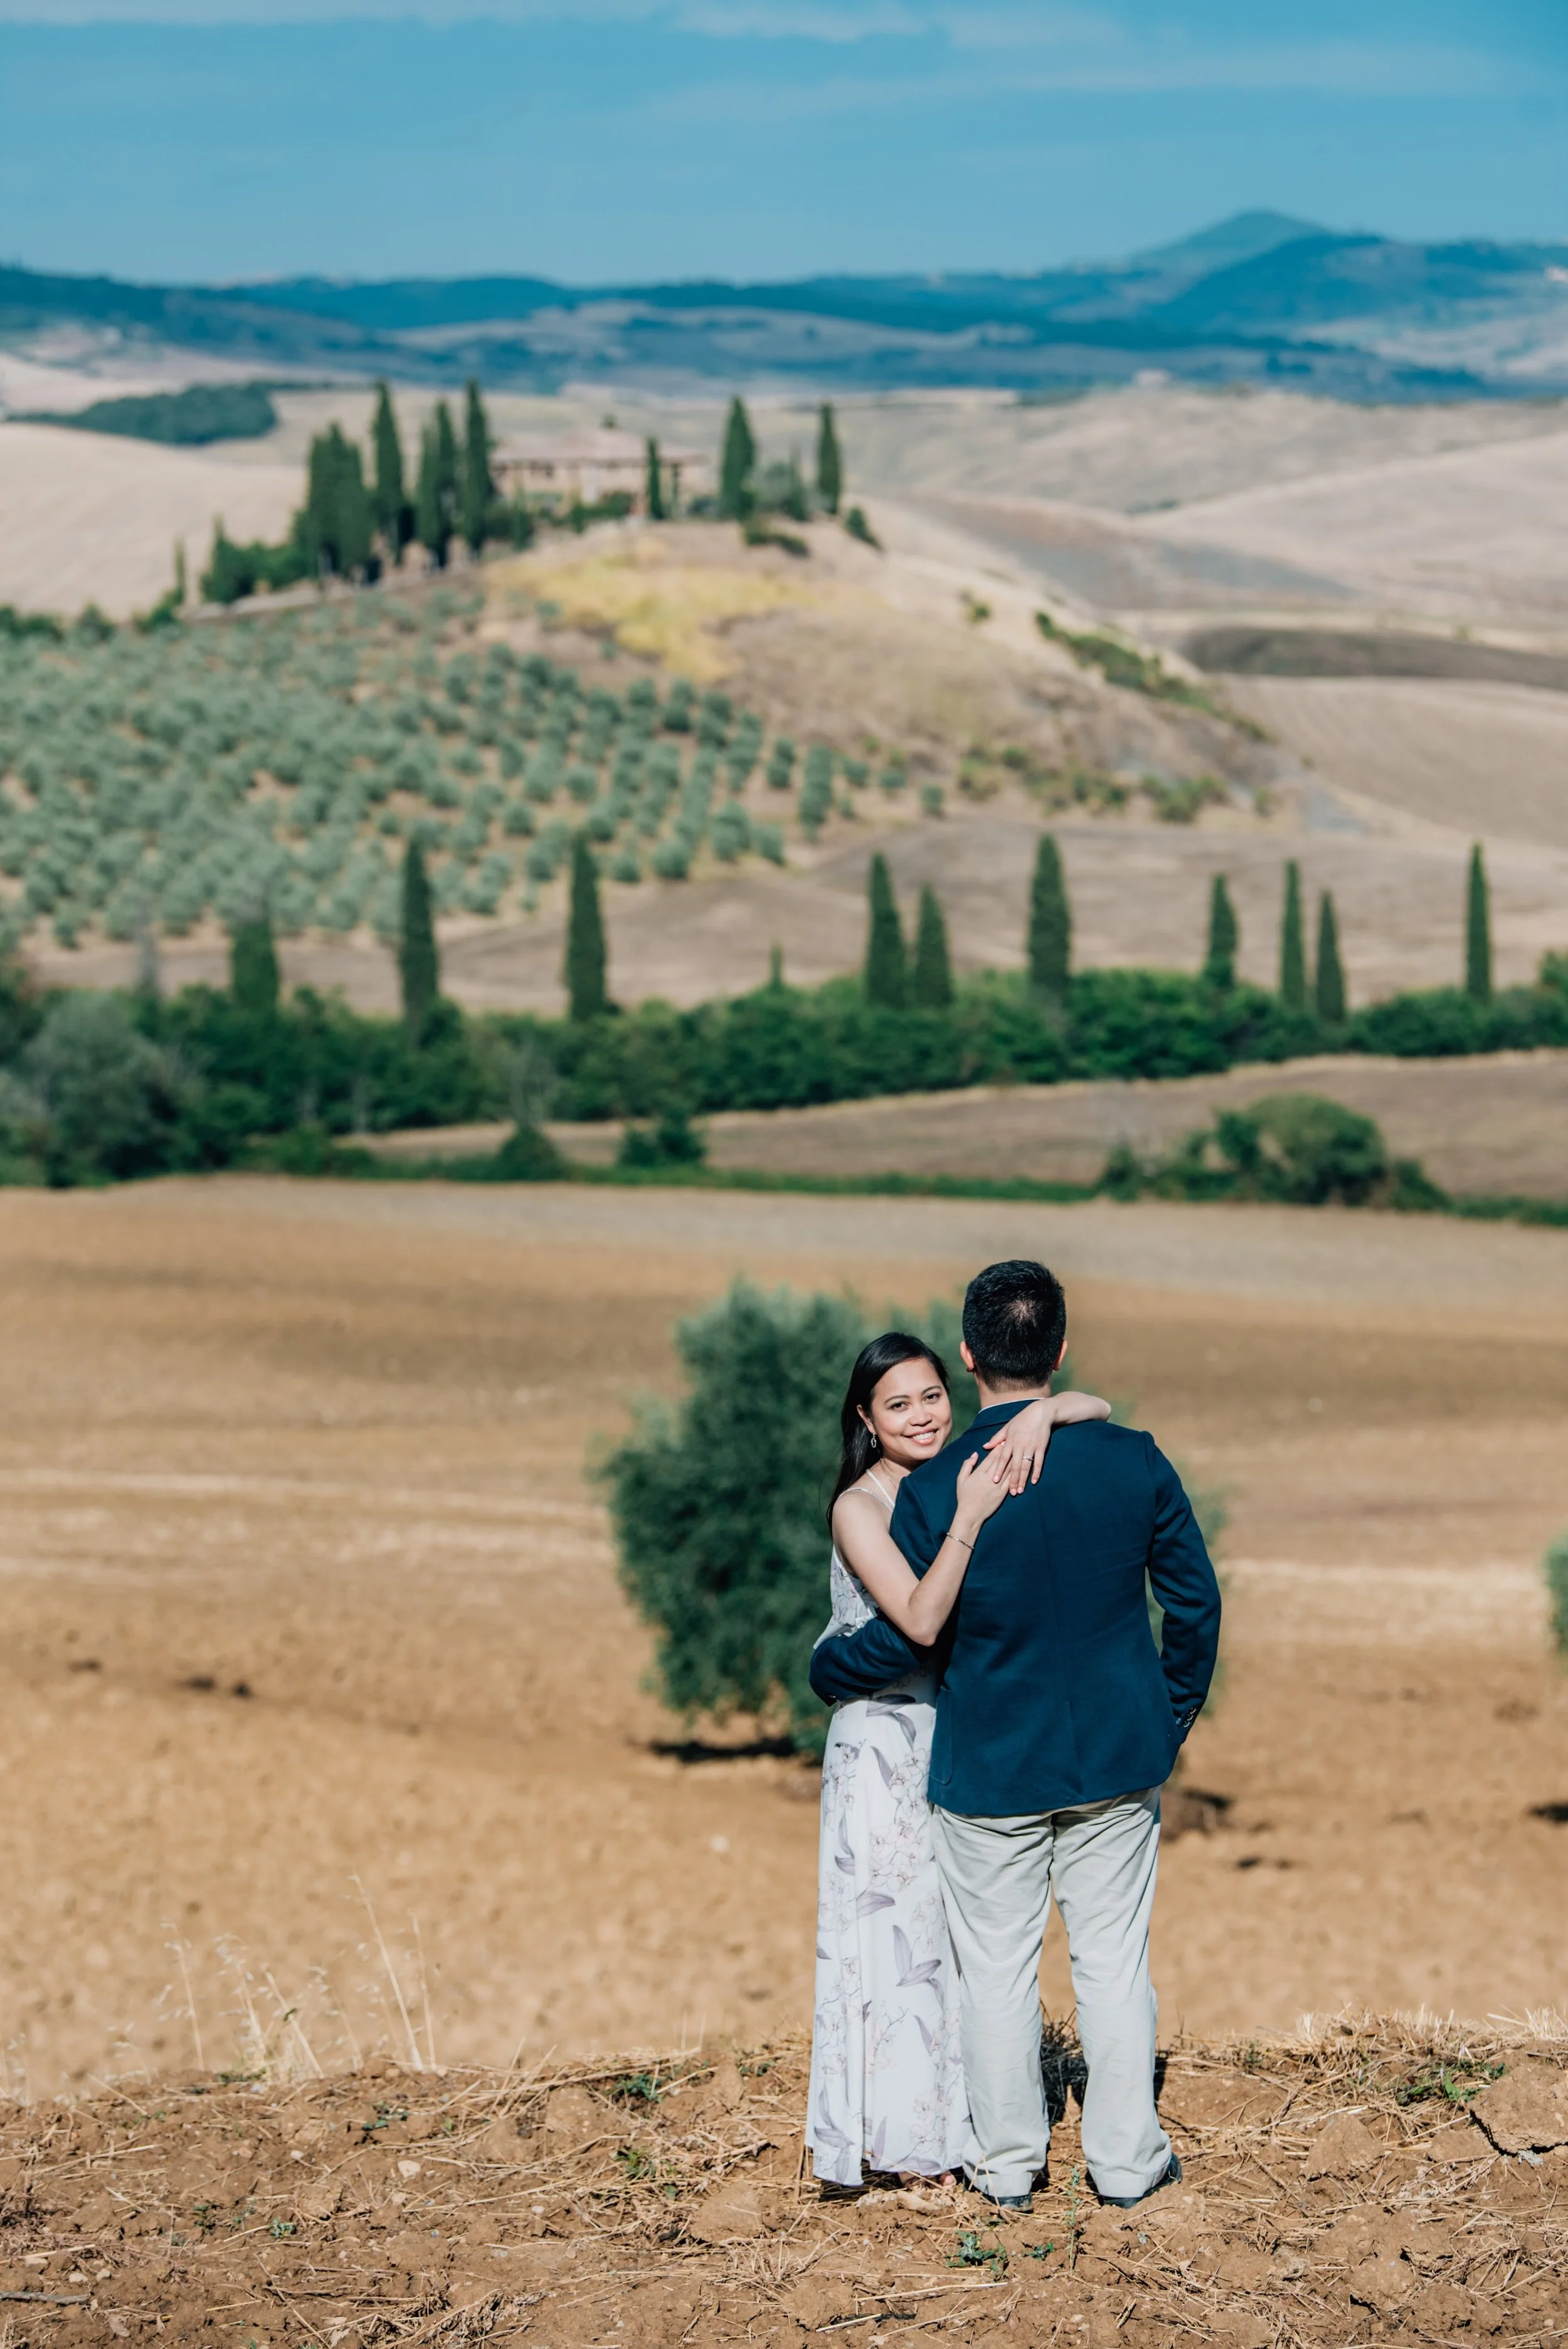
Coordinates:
[307,1611]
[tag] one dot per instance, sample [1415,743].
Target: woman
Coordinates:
[887,2081]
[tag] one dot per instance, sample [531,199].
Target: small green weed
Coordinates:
[974,2253]
[1456,2083]
[1075,2197]
[636,2163]
[282,2226]
[637,2088]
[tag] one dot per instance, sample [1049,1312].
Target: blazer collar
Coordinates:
[995,1412]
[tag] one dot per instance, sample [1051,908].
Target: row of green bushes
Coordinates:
[784,1047]
[109,1086]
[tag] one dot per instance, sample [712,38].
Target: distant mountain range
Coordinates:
[1259,299]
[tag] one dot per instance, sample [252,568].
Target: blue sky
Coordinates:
[613,140]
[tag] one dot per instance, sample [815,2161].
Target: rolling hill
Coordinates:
[1260,298]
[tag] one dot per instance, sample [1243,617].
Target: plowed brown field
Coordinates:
[308,1609]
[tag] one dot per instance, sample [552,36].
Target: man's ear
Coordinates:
[966,1358]
[1061,1358]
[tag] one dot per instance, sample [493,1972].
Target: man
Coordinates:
[1057,1722]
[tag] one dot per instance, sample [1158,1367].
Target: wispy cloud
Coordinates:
[956,50]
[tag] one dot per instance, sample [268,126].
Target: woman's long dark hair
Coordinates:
[873,1364]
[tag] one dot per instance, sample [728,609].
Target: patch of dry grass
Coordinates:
[651,601]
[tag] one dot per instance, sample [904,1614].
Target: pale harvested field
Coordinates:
[92,519]
[1466,532]
[1494,1126]
[329,1445]
[1487,758]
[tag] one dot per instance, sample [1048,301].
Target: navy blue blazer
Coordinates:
[1050,1690]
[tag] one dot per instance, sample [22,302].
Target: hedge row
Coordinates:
[195,1078]
[784,1047]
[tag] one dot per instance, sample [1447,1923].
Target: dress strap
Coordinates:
[874,1481]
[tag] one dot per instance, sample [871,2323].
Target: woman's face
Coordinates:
[911,1413]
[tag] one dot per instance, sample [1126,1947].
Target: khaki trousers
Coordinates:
[997,1877]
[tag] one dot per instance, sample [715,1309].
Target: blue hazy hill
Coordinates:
[1260,297]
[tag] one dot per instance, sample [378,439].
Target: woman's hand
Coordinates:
[979,1497]
[1019,1448]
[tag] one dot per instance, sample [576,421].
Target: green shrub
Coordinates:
[717,1505]
[202,413]
[1554,1567]
[108,1099]
[674,1141]
[1299,1149]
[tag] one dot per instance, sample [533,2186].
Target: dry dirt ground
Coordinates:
[1335,2191]
[316,1674]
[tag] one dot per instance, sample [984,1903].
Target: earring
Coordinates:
[876,1441]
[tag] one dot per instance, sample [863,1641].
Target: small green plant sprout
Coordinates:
[973,2252]
[975,611]
[282,2226]
[1075,2198]
[1039,2250]
[205,2216]
[1455,2083]
[1554,1567]
[636,2165]
[637,2088]
[857,525]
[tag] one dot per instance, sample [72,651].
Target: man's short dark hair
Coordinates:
[1015,1320]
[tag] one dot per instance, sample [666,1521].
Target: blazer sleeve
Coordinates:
[1185,1585]
[858,1663]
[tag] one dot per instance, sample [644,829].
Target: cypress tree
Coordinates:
[253,966]
[830,463]
[336,522]
[1050,924]
[477,490]
[886,975]
[653,488]
[584,968]
[932,987]
[738,462]
[390,496]
[419,964]
[435,500]
[1291,944]
[1478,930]
[1224,936]
[1330,987]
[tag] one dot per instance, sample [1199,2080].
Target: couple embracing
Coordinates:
[1003,1723]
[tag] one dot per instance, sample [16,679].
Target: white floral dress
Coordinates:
[887,2076]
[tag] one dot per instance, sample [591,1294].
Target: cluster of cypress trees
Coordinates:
[891,975]
[1324,992]
[741,495]
[1327,989]
[349,525]
[889,978]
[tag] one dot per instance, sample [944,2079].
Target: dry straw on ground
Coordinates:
[1369,2180]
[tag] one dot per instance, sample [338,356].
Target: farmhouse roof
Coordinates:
[607,445]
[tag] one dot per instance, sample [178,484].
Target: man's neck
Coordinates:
[991,1395]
